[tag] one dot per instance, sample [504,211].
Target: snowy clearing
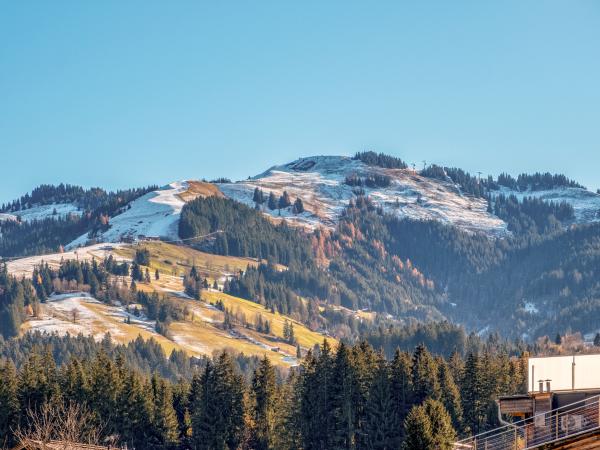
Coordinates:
[586,204]
[155,214]
[24,266]
[42,212]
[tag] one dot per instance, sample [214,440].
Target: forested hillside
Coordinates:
[337,237]
[344,397]
[51,233]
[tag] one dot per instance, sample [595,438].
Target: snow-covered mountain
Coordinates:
[320,181]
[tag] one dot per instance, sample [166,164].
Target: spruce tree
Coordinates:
[472,395]
[9,404]
[298,206]
[165,432]
[450,395]
[401,394]
[263,411]
[443,435]
[218,413]
[424,375]
[135,411]
[272,202]
[378,430]
[418,430]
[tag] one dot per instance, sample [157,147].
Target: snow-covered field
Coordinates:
[155,214]
[23,267]
[47,211]
[319,182]
[586,204]
[78,312]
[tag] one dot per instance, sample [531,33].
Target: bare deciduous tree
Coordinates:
[59,424]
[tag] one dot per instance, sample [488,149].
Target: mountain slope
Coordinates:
[322,184]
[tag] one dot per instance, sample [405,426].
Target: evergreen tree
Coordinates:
[263,406]
[165,433]
[472,395]
[342,400]
[379,425]
[272,202]
[418,430]
[284,201]
[218,417]
[424,375]
[401,395]
[450,395]
[135,412]
[156,275]
[298,206]
[597,340]
[9,404]
[443,435]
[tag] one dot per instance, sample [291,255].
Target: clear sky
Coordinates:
[126,93]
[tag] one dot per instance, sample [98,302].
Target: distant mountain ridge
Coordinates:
[503,254]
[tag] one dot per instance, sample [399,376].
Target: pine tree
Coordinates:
[342,400]
[134,412]
[9,404]
[418,430]
[298,206]
[443,435]
[424,375]
[156,275]
[263,406]
[165,432]
[284,201]
[401,394]
[272,202]
[105,386]
[472,395]
[218,413]
[74,382]
[597,340]
[378,430]
[450,395]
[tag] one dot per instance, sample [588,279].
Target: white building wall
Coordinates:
[565,372]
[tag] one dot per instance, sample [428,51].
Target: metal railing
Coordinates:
[567,421]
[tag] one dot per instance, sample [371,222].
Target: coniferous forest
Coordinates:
[349,397]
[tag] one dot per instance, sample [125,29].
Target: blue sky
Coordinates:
[127,93]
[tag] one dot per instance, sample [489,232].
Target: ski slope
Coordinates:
[155,214]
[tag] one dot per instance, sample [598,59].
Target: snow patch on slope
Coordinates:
[155,214]
[23,267]
[42,212]
[586,204]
